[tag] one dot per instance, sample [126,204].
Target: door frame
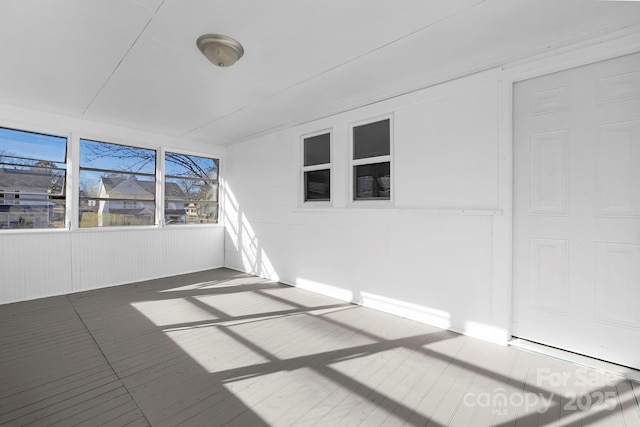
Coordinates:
[585,53]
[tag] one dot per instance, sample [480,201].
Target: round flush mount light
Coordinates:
[221,50]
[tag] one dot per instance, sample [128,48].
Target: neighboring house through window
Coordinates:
[32,180]
[117,185]
[190,189]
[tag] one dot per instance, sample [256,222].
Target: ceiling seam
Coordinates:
[106,82]
[501,65]
[355,58]
[498,66]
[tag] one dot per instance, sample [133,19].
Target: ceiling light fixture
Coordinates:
[221,50]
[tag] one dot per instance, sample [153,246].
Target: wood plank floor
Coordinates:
[221,348]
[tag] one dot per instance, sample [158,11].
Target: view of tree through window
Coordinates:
[32,180]
[117,185]
[190,189]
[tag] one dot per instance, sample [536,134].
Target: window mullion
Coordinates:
[371,160]
[160,188]
[88,169]
[316,167]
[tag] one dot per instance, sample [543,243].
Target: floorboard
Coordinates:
[221,348]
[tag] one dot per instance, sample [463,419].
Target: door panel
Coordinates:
[618,169]
[617,293]
[549,173]
[577,210]
[549,275]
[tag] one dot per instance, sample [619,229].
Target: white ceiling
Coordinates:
[135,62]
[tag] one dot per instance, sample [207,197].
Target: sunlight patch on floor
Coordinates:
[171,311]
[214,350]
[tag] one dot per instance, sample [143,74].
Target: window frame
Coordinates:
[353,163]
[79,168]
[70,193]
[66,196]
[161,190]
[302,197]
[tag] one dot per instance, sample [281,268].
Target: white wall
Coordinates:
[428,256]
[442,253]
[39,263]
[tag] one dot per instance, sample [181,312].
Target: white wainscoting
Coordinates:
[40,264]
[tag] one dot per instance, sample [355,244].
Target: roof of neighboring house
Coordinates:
[127,188]
[26,208]
[27,181]
[130,188]
[173,191]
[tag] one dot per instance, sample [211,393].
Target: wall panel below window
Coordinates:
[37,265]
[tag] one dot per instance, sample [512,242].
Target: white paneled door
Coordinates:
[577,210]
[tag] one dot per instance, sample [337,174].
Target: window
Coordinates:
[117,185]
[372,161]
[33,175]
[190,189]
[316,169]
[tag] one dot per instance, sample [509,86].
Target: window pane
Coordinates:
[317,185]
[115,157]
[117,185]
[182,165]
[372,181]
[32,180]
[95,184]
[190,189]
[372,140]
[18,163]
[317,150]
[17,211]
[109,213]
[29,145]
[190,212]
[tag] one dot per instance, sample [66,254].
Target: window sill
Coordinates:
[145,228]
[190,226]
[396,210]
[23,231]
[319,205]
[115,228]
[9,231]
